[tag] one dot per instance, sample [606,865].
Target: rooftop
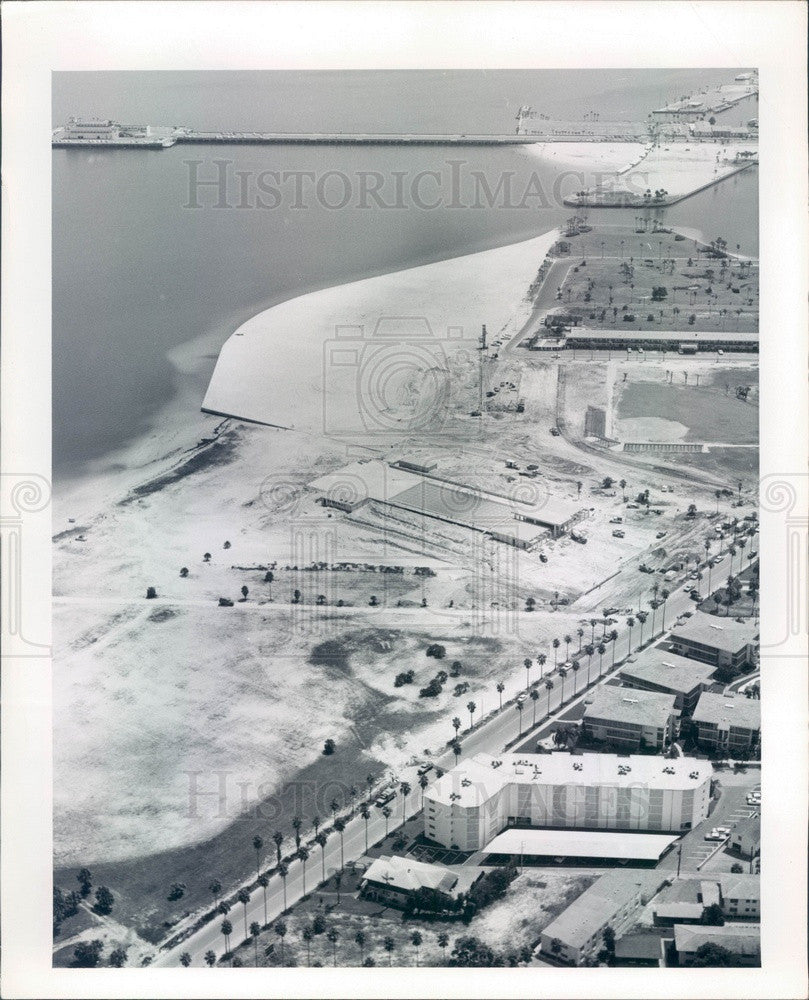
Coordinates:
[740,886]
[477,779]
[748,827]
[725,634]
[677,673]
[716,709]
[678,910]
[741,939]
[581,844]
[638,946]
[643,708]
[410,875]
[597,905]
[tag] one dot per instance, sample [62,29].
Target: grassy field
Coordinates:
[709,413]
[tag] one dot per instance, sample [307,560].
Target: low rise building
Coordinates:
[687,898]
[742,941]
[719,641]
[576,936]
[393,880]
[467,807]
[746,837]
[727,724]
[657,669]
[634,950]
[631,719]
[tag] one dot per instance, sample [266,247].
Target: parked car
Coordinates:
[385,798]
[616,520]
[618,534]
[661,534]
[714,835]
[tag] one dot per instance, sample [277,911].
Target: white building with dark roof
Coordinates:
[743,941]
[628,718]
[475,801]
[657,669]
[727,723]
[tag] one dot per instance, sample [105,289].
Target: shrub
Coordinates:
[406,677]
[437,650]
[151,593]
[329,748]
[432,690]
[177,891]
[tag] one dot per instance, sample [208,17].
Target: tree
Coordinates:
[118,958]
[534,696]
[303,854]
[443,941]
[85,880]
[278,837]
[710,955]
[386,812]
[297,823]
[210,959]
[185,959]
[264,881]
[642,616]
[244,898]
[333,935]
[519,707]
[206,557]
[176,891]
[151,593]
[713,916]
[283,871]
[609,941]
[258,843]
[501,687]
[281,930]
[455,747]
[405,790]
[527,664]
[226,929]
[86,954]
[623,485]
[470,707]
[602,649]
[630,624]
[329,748]
[389,945]
[664,596]
[556,644]
[549,688]
[104,900]
[307,934]
[456,725]
[245,592]
[320,839]
[416,939]
[424,781]
[255,930]
[470,951]
[360,939]
[736,868]
[215,888]
[339,826]
[575,666]
[184,572]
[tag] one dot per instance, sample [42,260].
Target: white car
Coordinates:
[714,835]
[724,830]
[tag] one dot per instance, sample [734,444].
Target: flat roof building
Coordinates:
[729,724]
[393,880]
[630,718]
[577,934]
[467,807]
[518,842]
[715,640]
[657,669]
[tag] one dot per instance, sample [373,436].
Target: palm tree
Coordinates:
[352,794]
[185,959]
[215,887]
[602,649]
[283,871]
[360,939]
[389,945]
[316,823]
[258,843]
[519,709]
[455,747]
[589,649]
[278,837]
[534,696]
[527,664]
[575,666]
[556,644]
[297,823]
[501,687]
[470,707]
[386,812]
[580,634]
[339,826]
[320,840]
[281,930]
[549,688]
[568,641]
[365,812]
[614,640]
[630,624]
[333,936]
[593,623]
[226,929]
[369,781]
[338,881]
[622,484]
[542,659]
[642,616]
[416,938]
[210,959]
[303,854]
[707,550]
[443,941]
[307,934]
[456,725]
[405,789]
[665,594]
[244,898]
[563,674]
[653,603]
[335,808]
[255,930]
[264,881]
[424,781]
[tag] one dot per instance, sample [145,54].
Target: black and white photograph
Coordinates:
[407,602]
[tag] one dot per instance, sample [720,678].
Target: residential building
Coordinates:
[746,837]
[393,880]
[727,724]
[475,801]
[630,719]
[716,640]
[576,936]
[657,669]
[742,941]
[634,950]
[741,896]
[686,899]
